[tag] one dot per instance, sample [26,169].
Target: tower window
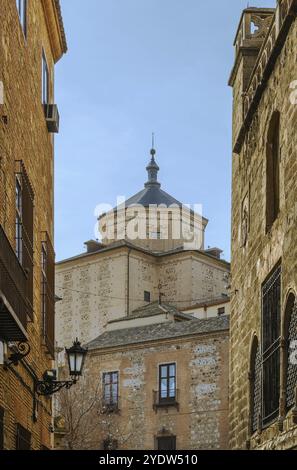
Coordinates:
[273,171]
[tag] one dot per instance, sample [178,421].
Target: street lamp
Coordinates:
[76,357]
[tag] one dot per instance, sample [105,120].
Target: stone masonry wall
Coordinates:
[253,263]
[25,137]
[200,422]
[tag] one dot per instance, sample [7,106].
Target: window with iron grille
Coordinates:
[1,428]
[272,171]
[291,376]
[24,203]
[47,294]
[255,385]
[167,382]
[23,438]
[271,319]
[111,389]
[45,80]
[166,443]
[22,11]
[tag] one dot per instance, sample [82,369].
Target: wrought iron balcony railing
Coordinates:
[160,401]
[13,299]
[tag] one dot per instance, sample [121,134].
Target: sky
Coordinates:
[135,67]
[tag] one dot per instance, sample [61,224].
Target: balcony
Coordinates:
[13,300]
[165,402]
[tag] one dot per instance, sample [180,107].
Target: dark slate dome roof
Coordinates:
[152,192]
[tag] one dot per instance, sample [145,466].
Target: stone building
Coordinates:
[160,379]
[115,277]
[124,297]
[263,329]
[32,40]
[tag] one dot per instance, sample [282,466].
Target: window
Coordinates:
[221,311]
[43,287]
[271,318]
[291,343]
[110,444]
[22,11]
[45,80]
[167,383]
[47,294]
[273,171]
[1,429]
[111,389]
[23,438]
[166,443]
[24,206]
[19,220]
[255,384]
[147,296]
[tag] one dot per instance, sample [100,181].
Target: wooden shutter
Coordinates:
[27,233]
[49,326]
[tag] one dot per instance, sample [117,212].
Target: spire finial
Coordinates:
[153,151]
[152,168]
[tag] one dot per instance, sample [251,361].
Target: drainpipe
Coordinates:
[128,283]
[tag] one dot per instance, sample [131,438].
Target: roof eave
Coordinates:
[55,26]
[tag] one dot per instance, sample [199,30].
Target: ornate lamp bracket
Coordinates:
[20,351]
[49,387]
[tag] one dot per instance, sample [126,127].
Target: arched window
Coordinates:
[291,355]
[273,171]
[255,384]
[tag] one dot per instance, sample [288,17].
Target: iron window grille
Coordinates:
[291,378]
[256,364]
[271,321]
[23,438]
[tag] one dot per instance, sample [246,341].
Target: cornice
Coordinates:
[55,26]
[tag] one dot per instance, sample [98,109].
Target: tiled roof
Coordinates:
[154,309]
[157,332]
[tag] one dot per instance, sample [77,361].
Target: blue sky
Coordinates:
[135,67]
